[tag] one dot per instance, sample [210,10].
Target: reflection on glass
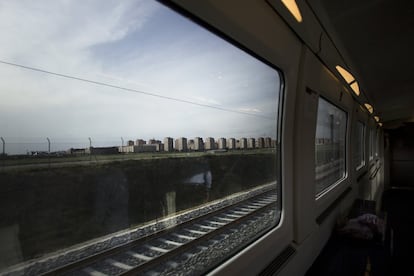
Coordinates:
[377,142]
[119,114]
[359,147]
[371,143]
[329,145]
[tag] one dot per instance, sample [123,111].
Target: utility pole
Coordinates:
[4,151]
[4,146]
[48,150]
[90,148]
[48,145]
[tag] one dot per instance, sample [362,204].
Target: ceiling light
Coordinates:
[349,78]
[376,118]
[293,8]
[380,124]
[345,74]
[369,107]
[355,87]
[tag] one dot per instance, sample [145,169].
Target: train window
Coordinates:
[359,147]
[128,122]
[330,141]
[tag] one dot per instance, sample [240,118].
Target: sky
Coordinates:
[195,83]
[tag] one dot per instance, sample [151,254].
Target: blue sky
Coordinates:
[140,45]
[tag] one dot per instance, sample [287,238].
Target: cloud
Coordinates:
[249,110]
[203,100]
[50,34]
[140,45]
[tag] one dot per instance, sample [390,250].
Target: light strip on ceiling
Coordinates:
[292,6]
[369,107]
[376,118]
[380,124]
[345,74]
[349,78]
[355,87]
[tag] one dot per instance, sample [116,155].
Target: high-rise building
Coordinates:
[198,144]
[168,144]
[209,144]
[153,141]
[251,143]
[159,147]
[243,143]
[191,145]
[222,143]
[140,142]
[268,142]
[181,144]
[231,143]
[260,143]
[126,149]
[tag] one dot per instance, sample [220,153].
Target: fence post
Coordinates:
[4,146]
[4,151]
[90,148]
[48,150]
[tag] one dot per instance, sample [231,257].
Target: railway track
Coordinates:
[184,245]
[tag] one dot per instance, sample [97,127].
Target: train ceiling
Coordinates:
[376,41]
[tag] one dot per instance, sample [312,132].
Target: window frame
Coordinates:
[371,143]
[286,60]
[337,182]
[361,115]
[316,81]
[360,166]
[360,175]
[282,232]
[341,98]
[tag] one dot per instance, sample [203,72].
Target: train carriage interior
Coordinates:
[268,137]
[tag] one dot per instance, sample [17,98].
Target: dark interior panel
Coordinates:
[402,156]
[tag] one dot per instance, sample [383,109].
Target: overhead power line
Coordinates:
[134,90]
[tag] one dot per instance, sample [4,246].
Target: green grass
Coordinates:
[44,161]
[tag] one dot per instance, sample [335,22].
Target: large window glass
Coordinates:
[126,117]
[359,147]
[330,142]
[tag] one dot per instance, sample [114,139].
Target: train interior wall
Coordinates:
[308,64]
[402,156]
[392,190]
[397,197]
